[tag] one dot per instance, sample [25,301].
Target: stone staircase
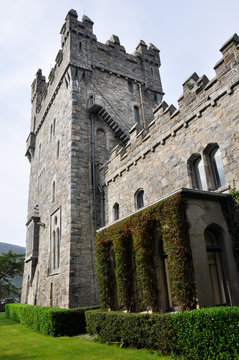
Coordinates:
[101,111]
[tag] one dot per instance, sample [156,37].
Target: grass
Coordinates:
[18,342]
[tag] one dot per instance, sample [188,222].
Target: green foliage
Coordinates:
[11,264]
[235,193]
[230,210]
[49,321]
[211,333]
[129,244]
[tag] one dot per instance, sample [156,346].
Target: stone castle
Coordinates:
[103,144]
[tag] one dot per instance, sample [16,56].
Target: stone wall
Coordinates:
[156,158]
[67,144]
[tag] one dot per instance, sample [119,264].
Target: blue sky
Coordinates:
[188,33]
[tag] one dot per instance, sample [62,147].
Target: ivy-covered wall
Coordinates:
[231,214]
[125,256]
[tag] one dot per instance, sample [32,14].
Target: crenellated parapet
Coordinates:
[81,54]
[200,96]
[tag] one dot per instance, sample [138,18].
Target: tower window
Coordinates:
[58,149]
[130,86]
[53,191]
[116,211]
[55,245]
[139,199]
[136,114]
[54,127]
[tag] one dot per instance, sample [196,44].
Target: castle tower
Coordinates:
[95,93]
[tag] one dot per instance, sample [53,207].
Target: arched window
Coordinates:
[116,211]
[215,266]
[197,172]
[55,247]
[217,167]
[136,114]
[53,191]
[139,199]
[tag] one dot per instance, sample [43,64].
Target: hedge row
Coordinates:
[211,333]
[49,321]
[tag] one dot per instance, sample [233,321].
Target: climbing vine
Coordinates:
[125,258]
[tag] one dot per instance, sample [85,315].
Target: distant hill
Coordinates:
[17,280]
[4,247]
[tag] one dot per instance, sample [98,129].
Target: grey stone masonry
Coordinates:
[93,95]
[157,159]
[102,143]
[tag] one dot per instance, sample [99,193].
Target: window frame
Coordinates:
[116,211]
[139,199]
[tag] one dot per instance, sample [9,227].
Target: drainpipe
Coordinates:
[94,196]
[142,105]
[93,167]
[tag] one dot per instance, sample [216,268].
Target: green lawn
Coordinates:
[18,342]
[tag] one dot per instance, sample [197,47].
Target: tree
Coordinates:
[11,264]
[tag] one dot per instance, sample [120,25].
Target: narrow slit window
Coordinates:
[130,86]
[58,149]
[53,191]
[54,127]
[116,211]
[136,114]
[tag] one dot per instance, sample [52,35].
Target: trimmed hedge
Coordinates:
[210,333]
[49,321]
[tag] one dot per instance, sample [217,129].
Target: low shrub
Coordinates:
[154,332]
[210,333]
[49,321]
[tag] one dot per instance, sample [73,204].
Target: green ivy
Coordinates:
[125,258]
[230,210]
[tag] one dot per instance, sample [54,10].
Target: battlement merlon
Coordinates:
[85,51]
[73,25]
[80,49]
[38,85]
